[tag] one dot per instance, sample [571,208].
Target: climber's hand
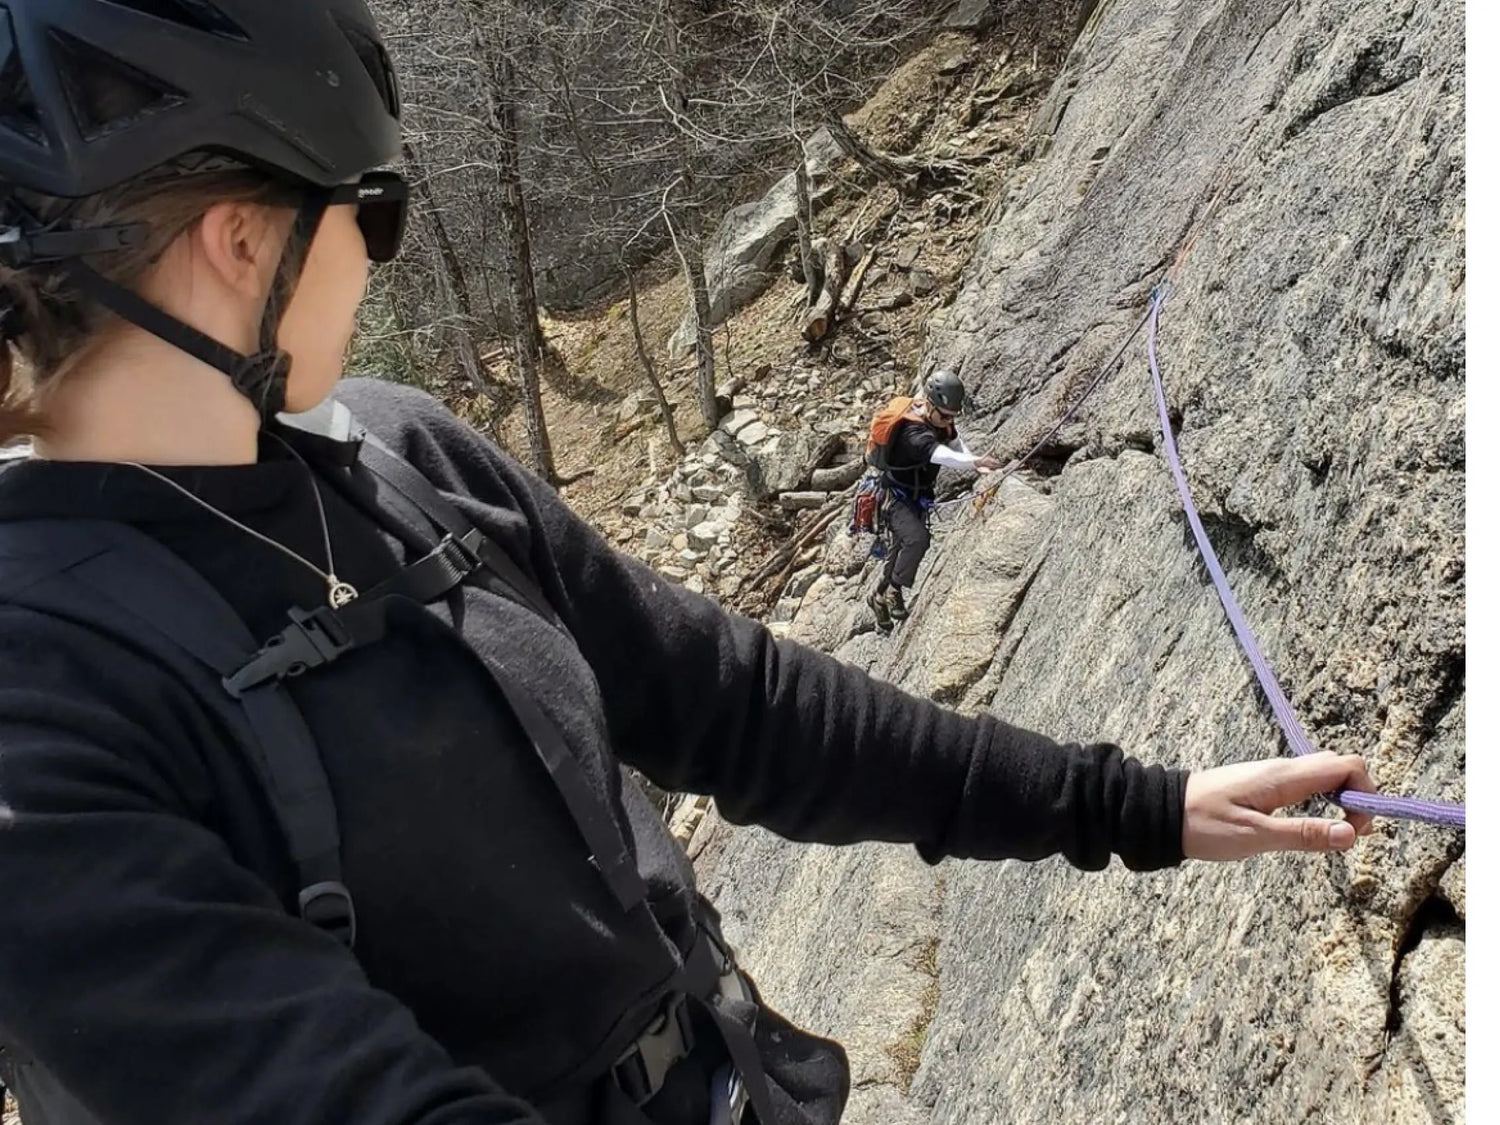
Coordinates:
[1227,810]
[987,463]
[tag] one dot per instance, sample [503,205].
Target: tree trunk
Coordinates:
[805,231]
[820,320]
[515,236]
[514,217]
[692,261]
[687,227]
[456,288]
[644,355]
[837,478]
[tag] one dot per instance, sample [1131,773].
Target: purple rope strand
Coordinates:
[1406,808]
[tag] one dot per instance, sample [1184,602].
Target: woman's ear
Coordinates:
[241,244]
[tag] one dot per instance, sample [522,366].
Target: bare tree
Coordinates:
[451,277]
[605,131]
[493,45]
[680,205]
[643,353]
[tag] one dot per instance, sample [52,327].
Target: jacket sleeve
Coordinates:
[155,977]
[951,458]
[782,736]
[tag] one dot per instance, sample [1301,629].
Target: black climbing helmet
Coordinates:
[300,88]
[95,93]
[945,390]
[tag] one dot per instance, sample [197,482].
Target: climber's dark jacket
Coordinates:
[911,468]
[146,956]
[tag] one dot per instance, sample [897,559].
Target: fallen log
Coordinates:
[831,446]
[788,551]
[837,478]
[856,282]
[622,432]
[910,176]
[799,501]
[886,304]
[820,318]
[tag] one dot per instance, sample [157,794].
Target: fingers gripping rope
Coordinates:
[1406,808]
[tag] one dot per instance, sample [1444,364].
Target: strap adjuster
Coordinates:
[330,908]
[463,551]
[314,637]
[20,247]
[642,1070]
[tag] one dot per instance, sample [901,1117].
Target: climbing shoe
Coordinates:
[882,612]
[896,604]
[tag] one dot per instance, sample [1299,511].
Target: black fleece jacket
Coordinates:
[146,956]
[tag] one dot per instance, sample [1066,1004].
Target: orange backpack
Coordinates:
[883,428]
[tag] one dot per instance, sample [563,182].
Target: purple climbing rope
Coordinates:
[1406,808]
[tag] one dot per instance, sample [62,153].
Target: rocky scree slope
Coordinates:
[1302,167]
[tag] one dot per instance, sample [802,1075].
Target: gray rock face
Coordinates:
[1303,168]
[738,260]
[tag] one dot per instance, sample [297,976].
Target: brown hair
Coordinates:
[53,324]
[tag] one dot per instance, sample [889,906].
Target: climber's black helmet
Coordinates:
[945,390]
[302,90]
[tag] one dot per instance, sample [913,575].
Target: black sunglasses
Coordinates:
[382,199]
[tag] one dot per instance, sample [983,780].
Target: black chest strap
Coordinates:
[463,554]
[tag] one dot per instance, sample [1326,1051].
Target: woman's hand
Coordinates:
[1227,810]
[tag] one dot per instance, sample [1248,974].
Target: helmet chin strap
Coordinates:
[262,377]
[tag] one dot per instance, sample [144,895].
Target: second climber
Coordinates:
[910,440]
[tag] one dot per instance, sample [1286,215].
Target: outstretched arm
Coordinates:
[783,736]
[961,458]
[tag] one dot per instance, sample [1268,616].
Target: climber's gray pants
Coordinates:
[909,542]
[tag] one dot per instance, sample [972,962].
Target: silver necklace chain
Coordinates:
[340,593]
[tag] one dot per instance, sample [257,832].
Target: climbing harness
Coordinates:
[1443,813]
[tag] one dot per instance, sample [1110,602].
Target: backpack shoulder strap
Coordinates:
[400,481]
[383,483]
[400,496]
[165,602]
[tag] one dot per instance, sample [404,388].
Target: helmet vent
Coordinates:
[377,64]
[18,111]
[105,94]
[199,15]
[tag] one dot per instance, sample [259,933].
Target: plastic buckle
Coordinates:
[330,908]
[314,637]
[642,1070]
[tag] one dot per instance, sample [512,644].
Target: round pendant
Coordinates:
[341,594]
